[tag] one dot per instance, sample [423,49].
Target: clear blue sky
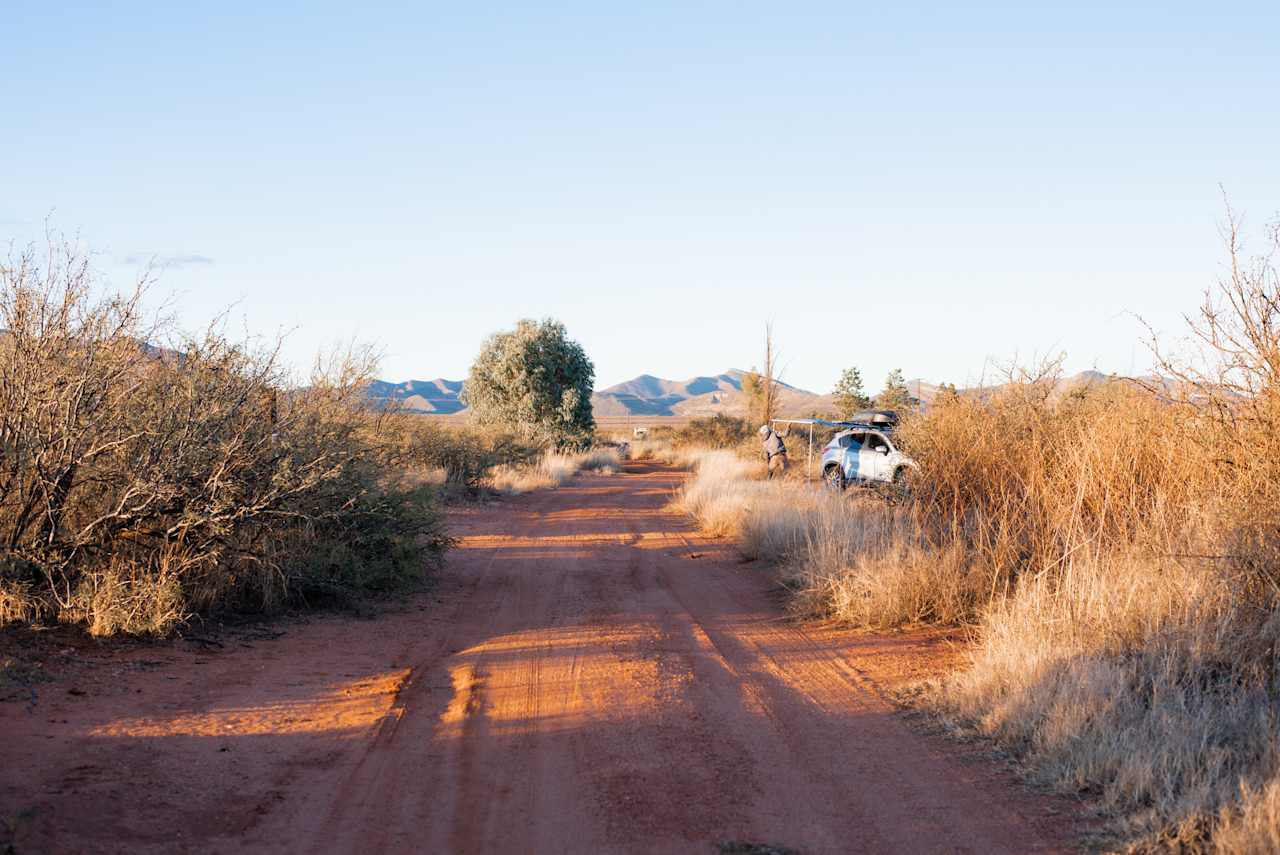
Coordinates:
[923,188]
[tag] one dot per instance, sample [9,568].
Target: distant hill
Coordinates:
[647,395]
[437,396]
[705,395]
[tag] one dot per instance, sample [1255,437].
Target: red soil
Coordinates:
[588,675]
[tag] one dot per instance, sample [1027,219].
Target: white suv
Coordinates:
[863,455]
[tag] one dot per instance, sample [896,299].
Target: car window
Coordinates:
[843,440]
[876,442]
[856,440]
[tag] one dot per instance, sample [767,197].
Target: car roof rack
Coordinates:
[876,418]
[885,420]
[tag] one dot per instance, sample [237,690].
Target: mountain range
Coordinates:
[647,395]
[707,395]
[437,396]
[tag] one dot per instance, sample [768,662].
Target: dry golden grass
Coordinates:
[1114,551]
[553,469]
[1134,679]
[649,449]
[1113,656]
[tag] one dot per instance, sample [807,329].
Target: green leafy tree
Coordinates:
[895,396]
[534,380]
[849,396]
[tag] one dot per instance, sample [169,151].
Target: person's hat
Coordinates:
[764,429]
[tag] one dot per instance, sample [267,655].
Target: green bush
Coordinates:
[535,380]
[381,543]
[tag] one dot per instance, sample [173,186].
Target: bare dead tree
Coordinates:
[770,372]
[1229,382]
[761,385]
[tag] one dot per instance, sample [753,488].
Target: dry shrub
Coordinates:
[128,598]
[604,459]
[1253,825]
[466,454]
[1025,478]
[1136,657]
[18,603]
[891,582]
[718,431]
[141,485]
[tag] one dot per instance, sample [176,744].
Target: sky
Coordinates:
[940,188]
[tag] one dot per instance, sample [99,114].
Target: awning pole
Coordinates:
[808,475]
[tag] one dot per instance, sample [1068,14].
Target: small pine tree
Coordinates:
[946,395]
[895,395]
[849,396]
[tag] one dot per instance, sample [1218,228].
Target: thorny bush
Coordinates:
[139,484]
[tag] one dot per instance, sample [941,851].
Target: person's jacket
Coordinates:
[773,445]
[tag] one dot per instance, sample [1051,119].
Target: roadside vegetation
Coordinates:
[1114,549]
[460,459]
[554,469]
[150,476]
[142,485]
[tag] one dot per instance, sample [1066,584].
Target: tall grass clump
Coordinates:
[554,469]
[660,449]
[1144,683]
[722,490]
[141,485]
[856,557]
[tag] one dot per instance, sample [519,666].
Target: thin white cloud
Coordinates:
[169,260]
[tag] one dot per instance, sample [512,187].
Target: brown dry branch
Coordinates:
[141,484]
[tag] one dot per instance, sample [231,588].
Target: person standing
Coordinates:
[775,451]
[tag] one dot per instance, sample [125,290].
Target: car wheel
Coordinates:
[833,478]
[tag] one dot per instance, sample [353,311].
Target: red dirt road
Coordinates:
[588,676]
